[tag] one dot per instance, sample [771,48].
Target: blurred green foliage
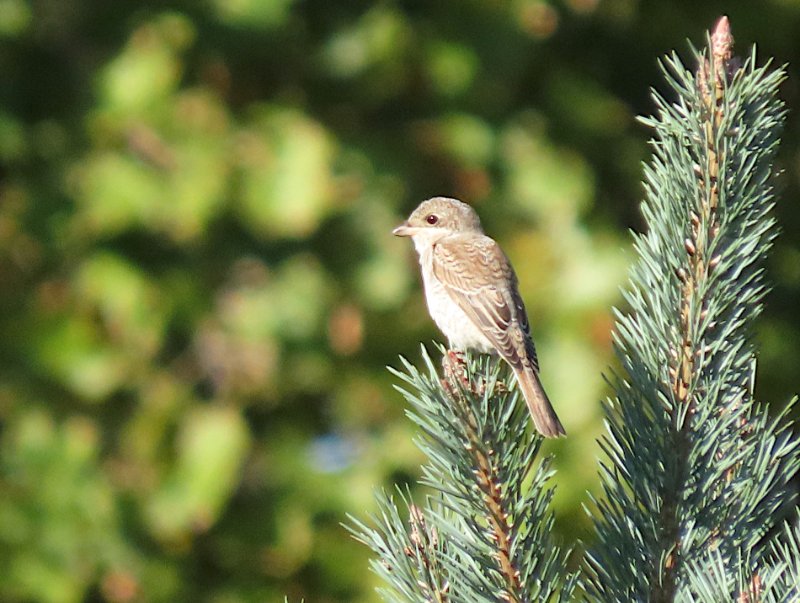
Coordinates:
[198,286]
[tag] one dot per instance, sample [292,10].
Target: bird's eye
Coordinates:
[432,219]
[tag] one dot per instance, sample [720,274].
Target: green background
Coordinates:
[199,290]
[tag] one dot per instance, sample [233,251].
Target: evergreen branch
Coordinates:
[712,77]
[408,557]
[485,536]
[695,465]
[483,444]
[785,559]
[488,481]
[772,579]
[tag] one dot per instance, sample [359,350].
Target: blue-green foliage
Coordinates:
[696,469]
[490,496]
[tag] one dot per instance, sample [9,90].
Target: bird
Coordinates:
[473,297]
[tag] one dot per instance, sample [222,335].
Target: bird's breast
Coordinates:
[452,321]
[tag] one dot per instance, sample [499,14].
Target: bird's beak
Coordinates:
[404,230]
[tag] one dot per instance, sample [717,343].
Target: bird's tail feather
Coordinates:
[542,412]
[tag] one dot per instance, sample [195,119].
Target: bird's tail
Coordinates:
[542,412]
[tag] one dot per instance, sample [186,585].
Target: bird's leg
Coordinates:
[457,356]
[455,370]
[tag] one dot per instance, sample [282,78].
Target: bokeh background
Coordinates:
[199,291]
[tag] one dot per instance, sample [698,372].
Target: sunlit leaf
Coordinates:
[149,68]
[287,186]
[211,447]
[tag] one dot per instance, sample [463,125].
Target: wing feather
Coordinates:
[478,276]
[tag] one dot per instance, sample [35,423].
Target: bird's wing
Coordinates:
[478,277]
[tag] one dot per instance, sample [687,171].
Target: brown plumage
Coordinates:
[472,295]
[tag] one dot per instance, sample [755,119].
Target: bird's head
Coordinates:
[439,217]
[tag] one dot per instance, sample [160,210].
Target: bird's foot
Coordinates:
[500,387]
[457,377]
[495,388]
[457,357]
[454,366]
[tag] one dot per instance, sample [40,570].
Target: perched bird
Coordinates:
[472,295]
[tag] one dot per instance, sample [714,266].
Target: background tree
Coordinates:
[199,289]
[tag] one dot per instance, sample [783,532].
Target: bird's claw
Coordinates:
[455,372]
[457,377]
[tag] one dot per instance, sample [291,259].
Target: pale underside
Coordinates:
[472,296]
